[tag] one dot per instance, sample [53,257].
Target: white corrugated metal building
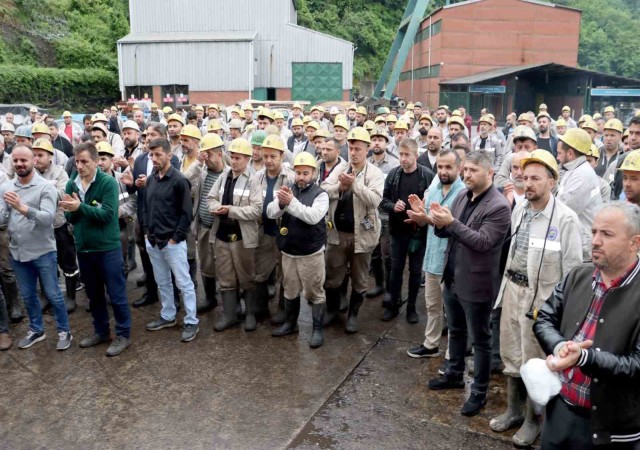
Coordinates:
[223,51]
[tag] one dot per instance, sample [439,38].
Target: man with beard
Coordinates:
[361,116]
[566,115]
[331,159]
[296,113]
[428,158]
[630,169]
[407,237]
[175,122]
[524,139]
[513,189]
[442,118]
[257,159]
[424,125]
[138,117]
[301,238]
[351,115]
[381,256]
[400,131]
[488,141]
[611,137]
[632,136]
[132,147]
[543,249]
[299,141]
[545,140]
[154,115]
[340,130]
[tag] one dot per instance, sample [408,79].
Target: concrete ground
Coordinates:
[236,390]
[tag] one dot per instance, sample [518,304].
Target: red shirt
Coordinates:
[575,384]
[68,130]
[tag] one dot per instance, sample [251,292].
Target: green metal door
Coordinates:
[316,82]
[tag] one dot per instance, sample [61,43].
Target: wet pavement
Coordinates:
[236,390]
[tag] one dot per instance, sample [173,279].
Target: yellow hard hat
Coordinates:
[593,151]
[277,115]
[176,117]
[317,108]
[322,132]
[610,109]
[487,119]
[524,132]
[566,108]
[369,125]
[305,159]
[214,106]
[214,125]
[380,131]
[590,124]
[241,146]
[561,123]
[456,112]
[313,124]
[542,114]
[625,134]
[584,118]
[154,105]
[614,124]
[542,157]
[273,141]
[524,117]
[267,113]
[392,118]
[543,106]
[99,117]
[191,131]
[458,120]
[66,114]
[105,147]
[410,114]
[247,107]
[578,139]
[297,122]
[242,114]
[631,161]
[410,106]
[40,127]
[426,117]
[380,119]
[446,107]
[361,110]
[199,108]
[167,110]
[342,123]
[597,116]
[210,141]
[306,120]
[360,134]
[135,107]
[401,125]
[297,105]
[352,108]
[114,109]
[43,144]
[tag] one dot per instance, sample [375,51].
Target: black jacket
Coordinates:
[140,168]
[613,362]
[390,195]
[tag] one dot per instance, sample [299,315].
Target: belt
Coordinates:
[518,278]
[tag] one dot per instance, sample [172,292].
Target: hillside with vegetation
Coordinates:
[62,53]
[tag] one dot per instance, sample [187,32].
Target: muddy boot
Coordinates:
[262,300]
[279,317]
[514,415]
[333,305]
[229,317]
[530,429]
[317,336]
[391,310]
[209,301]
[70,301]
[250,316]
[344,300]
[378,274]
[13,302]
[354,307]
[290,325]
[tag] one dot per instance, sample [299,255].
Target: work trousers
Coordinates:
[338,257]
[304,274]
[235,265]
[206,253]
[267,257]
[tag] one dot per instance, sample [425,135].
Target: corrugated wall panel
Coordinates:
[204,66]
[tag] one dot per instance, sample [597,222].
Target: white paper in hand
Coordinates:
[542,384]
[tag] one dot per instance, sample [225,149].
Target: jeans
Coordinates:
[173,259]
[399,252]
[27,274]
[468,318]
[100,270]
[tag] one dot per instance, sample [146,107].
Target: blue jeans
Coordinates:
[27,273]
[173,258]
[100,270]
[468,318]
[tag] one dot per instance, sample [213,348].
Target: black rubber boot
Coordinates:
[209,301]
[333,305]
[71,283]
[378,274]
[279,317]
[131,255]
[414,288]
[357,298]
[250,316]
[13,302]
[290,325]
[530,429]
[391,310]
[514,415]
[412,315]
[229,317]
[262,300]
[344,288]
[317,336]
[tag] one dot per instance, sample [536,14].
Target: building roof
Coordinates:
[535,2]
[550,67]
[197,36]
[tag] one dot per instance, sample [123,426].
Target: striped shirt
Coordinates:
[205,217]
[521,246]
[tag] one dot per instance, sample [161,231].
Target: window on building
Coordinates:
[434,29]
[422,73]
[175,95]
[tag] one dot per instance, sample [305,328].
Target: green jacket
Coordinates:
[95,223]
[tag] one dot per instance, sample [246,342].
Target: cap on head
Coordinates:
[631,161]
[610,109]
[381,132]
[274,142]
[131,125]
[577,139]
[542,157]
[305,159]
[40,128]
[105,147]
[523,132]
[297,122]
[99,117]
[359,134]
[167,110]
[257,138]
[100,126]
[66,114]
[401,125]
[177,118]
[614,124]
[361,110]
[43,144]
[241,146]
[191,131]
[313,124]
[210,141]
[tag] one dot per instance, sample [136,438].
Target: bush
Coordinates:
[79,90]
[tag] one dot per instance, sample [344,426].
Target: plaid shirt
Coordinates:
[575,384]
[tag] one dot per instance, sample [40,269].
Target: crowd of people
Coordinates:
[525,239]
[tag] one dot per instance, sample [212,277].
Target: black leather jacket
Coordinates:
[613,362]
